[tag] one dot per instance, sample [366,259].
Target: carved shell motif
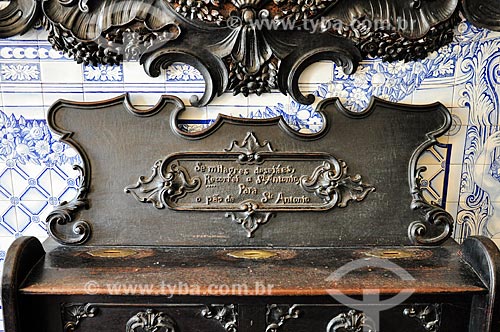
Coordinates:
[150,321]
[247,46]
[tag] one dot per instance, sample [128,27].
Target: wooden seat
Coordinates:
[250,225]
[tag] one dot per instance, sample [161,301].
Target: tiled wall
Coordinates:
[36,171]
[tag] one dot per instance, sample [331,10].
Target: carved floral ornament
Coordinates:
[246,46]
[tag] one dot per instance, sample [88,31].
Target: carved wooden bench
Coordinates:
[250,225]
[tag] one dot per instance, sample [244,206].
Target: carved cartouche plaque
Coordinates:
[250,181]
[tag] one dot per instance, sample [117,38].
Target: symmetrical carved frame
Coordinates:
[246,46]
[434,227]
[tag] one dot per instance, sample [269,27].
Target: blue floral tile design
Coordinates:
[182,73]
[103,73]
[298,116]
[389,81]
[30,141]
[19,72]
[478,93]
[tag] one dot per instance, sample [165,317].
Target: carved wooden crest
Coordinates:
[246,46]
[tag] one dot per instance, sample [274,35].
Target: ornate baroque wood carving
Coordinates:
[73,314]
[424,231]
[428,315]
[150,321]
[227,315]
[242,45]
[352,321]
[228,179]
[277,315]
[251,167]
[61,222]
[65,213]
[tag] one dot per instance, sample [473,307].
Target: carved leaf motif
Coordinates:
[352,189]
[160,189]
[18,17]
[434,216]
[353,321]
[150,321]
[423,16]
[483,13]
[82,4]
[66,213]
[250,219]
[149,190]
[331,182]
[73,314]
[250,149]
[89,24]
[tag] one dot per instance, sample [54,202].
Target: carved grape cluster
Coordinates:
[88,53]
[124,43]
[388,44]
[301,9]
[259,83]
[203,10]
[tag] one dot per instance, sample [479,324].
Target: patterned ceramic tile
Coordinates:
[103,74]
[133,73]
[20,72]
[61,73]
[183,73]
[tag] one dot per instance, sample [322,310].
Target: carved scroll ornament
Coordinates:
[436,224]
[429,316]
[250,182]
[73,314]
[246,46]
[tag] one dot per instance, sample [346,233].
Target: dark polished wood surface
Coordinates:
[380,145]
[293,271]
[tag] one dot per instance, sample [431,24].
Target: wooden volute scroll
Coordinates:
[247,47]
[249,182]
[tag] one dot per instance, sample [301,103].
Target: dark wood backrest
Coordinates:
[248,182]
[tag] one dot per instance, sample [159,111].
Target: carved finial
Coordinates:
[250,149]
